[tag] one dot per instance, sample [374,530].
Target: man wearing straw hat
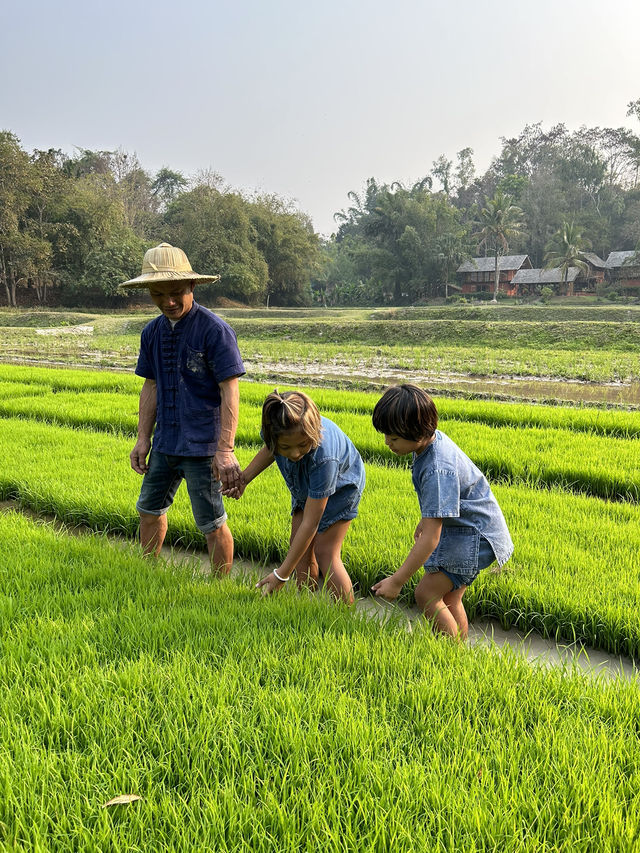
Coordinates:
[190,362]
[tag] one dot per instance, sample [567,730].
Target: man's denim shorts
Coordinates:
[161,482]
[485,558]
[341,506]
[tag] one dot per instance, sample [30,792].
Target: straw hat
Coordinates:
[165,263]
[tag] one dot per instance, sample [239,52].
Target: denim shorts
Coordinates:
[161,482]
[341,506]
[485,558]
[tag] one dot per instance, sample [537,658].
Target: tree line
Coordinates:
[73,227]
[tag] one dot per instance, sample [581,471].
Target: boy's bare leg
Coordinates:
[328,550]
[430,594]
[220,547]
[153,529]
[307,569]
[453,600]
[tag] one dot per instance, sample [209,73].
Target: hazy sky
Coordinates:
[308,100]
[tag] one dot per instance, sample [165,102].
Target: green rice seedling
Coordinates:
[10,390]
[278,724]
[574,572]
[591,419]
[588,463]
[104,411]
[64,379]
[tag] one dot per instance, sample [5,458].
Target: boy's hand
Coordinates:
[388,588]
[269,584]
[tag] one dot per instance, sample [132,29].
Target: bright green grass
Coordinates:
[283,724]
[611,422]
[592,464]
[574,573]
[66,379]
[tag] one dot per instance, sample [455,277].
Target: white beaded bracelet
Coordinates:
[277,576]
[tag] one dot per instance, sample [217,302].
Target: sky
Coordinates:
[308,100]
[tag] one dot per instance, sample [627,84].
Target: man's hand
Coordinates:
[225,466]
[388,588]
[269,584]
[138,456]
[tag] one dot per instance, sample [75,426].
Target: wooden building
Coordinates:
[596,272]
[478,274]
[623,271]
[532,281]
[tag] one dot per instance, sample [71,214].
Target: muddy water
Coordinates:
[530,389]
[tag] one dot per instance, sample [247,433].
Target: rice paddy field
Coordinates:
[292,723]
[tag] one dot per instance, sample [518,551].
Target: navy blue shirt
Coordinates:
[450,487]
[187,363]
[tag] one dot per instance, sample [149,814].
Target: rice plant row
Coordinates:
[16,380]
[574,573]
[598,465]
[281,724]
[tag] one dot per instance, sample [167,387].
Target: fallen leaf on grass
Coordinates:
[122,800]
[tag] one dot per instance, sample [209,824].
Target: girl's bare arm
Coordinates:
[313,509]
[260,462]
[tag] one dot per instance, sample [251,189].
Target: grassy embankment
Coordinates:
[493,341]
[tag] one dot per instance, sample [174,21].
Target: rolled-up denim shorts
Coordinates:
[341,506]
[485,558]
[161,482]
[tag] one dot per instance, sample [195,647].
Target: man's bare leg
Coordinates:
[153,529]
[220,547]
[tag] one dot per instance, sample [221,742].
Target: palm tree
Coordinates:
[564,250]
[501,221]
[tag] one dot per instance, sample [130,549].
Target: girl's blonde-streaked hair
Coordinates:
[292,410]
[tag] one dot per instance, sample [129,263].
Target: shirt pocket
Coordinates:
[195,362]
[457,549]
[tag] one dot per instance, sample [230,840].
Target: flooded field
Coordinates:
[527,389]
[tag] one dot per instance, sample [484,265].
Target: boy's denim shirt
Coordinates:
[187,362]
[333,465]
[449,486]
